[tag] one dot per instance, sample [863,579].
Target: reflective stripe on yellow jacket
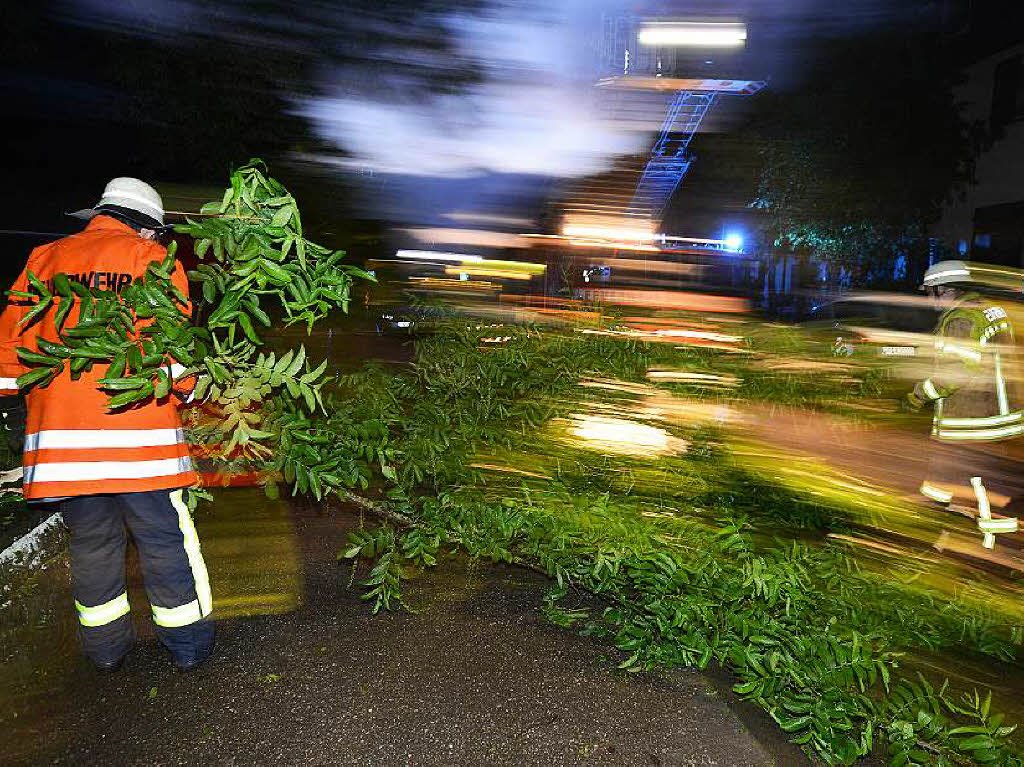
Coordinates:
[972,385]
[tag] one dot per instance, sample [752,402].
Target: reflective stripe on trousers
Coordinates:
[204,601]
[936,494]
[174,617]
[986,524]
[989,527]
[979,434]
[100,615]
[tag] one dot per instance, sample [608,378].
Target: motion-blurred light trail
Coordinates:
[430,255]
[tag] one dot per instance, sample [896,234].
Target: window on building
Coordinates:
[1006,92]
[999,234]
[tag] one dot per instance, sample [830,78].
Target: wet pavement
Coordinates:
[895,459]
[305,674]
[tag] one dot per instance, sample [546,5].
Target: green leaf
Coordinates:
[314,374]
[259,314]
[283,363]
[134,359]
[307,394]
[282,216]
[25,380]
[62,313]
[296,364]
[120,384]
[56,350]
[35,311]
[34,358]
[630,661]
[116,369]
[163,385]
[845,749]
[246,323]
[275,272]
[975,743]
[797,723]
[62,285]
[362,274]
[202,385]
[38,284]
[968,730]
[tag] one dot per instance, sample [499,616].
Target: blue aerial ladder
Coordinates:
[670,158]
[626,61]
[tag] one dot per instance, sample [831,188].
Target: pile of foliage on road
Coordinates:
[680,549]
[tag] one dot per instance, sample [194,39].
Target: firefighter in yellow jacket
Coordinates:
[972,392]
[112,470]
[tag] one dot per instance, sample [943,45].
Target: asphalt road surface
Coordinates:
[304,674]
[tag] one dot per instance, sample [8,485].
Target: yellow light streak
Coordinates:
[474,271]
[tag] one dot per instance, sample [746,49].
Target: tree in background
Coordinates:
[857,161]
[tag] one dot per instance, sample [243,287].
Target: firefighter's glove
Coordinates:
[912,402]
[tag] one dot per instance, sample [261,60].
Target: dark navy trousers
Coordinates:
[172,568]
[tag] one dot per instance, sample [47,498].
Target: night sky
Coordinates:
[420,109]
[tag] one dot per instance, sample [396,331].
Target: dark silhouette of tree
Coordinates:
[857,161]
[184,91]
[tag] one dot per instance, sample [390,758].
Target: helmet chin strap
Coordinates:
[134,219]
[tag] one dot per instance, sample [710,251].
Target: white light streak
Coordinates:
[619,435]
[429,255]
[608,232]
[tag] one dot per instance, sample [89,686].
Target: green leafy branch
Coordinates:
[104,332]
[811,638]
[257,264]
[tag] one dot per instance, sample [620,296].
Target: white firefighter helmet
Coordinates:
[946,273]
[132,199]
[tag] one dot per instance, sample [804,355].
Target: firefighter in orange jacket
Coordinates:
[112,469]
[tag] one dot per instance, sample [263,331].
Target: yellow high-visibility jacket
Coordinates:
[972,385]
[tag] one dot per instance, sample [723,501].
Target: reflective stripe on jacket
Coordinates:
[73,444]
[972,387]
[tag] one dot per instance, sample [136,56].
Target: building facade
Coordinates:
[987,222]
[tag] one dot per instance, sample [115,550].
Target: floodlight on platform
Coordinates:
[429,255]
[693,34]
